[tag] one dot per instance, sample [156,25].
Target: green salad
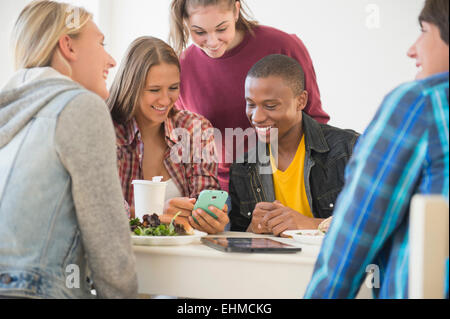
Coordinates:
[151,226]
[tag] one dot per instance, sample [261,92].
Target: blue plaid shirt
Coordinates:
[403,152]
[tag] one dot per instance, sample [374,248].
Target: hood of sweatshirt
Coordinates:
[28,91]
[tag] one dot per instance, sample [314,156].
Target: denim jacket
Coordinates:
[328,149]
[41,263]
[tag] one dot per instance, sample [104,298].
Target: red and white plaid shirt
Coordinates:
[190,173]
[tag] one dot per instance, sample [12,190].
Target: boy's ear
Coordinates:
[65,45]
[302,100]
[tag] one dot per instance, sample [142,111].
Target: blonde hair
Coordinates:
[141,56]
[38,29]
[179,32]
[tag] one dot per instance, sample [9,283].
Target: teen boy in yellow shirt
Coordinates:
[300,190]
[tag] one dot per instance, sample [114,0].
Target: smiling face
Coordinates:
[161,91]
[91,66]
[272,104]
[430,51]
[213,29]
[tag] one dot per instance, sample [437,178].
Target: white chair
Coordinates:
[429,241]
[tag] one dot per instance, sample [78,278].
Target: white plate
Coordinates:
[167,240]
[306,236]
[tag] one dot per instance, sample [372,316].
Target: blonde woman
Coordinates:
[148,128]
[61,205]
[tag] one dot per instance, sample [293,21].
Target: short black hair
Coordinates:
[436,12]
[283,66]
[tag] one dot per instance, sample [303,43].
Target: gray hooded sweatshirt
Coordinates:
[85,141]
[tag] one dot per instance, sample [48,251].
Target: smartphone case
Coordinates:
[208,198]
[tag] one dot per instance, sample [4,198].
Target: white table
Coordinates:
[198,271]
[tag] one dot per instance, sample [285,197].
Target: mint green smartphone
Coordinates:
[208,198]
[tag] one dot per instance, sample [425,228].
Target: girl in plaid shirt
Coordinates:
[155,139]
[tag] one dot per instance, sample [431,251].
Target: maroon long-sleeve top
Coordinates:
[215,88]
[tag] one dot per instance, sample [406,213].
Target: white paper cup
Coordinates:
[149,198]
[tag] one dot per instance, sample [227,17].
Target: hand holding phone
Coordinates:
[209,198]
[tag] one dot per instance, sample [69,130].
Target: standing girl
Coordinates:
[226,45]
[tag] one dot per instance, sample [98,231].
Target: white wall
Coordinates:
[355,65]
[358,46]
[9,10]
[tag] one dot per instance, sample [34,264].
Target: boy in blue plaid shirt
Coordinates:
[404,151]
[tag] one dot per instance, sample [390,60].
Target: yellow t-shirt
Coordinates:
[289,185]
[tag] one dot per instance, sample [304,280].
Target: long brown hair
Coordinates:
[141,56]
[179,32]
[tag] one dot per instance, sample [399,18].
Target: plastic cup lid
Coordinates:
[145,182]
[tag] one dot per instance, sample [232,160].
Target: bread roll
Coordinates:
[166,219]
